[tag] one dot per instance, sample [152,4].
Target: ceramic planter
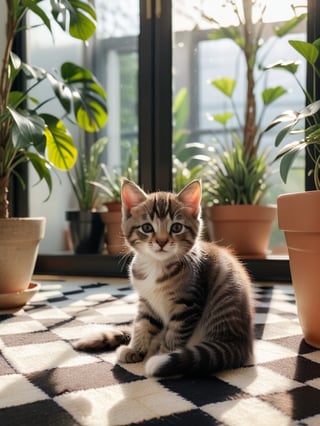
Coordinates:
[19,242]
[87,231]
[298,217]
[244,228]
[114,237]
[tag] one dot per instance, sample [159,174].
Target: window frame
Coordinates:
[155,136]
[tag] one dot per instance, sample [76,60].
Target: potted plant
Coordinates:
[298,213]
[29,135]
[241,167]
[109,186]
[85,224]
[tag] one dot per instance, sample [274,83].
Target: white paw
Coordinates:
[154,363]
[122,353]
[127,355]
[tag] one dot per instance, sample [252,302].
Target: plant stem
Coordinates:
[4,203]
[250,53]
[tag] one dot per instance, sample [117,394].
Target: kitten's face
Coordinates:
[161,225]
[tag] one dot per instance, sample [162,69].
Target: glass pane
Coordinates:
[49,54]
[116,65]
[198,59]
[114,58]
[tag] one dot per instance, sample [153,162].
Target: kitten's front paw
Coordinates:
[128,355]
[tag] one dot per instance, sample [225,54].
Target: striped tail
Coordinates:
[200,360]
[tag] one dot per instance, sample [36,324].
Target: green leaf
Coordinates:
[272,94]
[62,91]
[288,26]
[180,108]
[284,132]
[309,110]
[42,168]
[222,118]
[15,65]
[316,43]
[31,4]
[290,66]
[225,85]
[308,50]
[80,92]
[78,17]
[287,161]
[91,116]
[96,150]
[284,117]
[31,71]
[61,151]
[28,130]
[16,98]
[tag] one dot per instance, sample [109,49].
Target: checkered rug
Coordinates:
[44,381]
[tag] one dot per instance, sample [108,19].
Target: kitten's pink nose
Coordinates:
[161,242]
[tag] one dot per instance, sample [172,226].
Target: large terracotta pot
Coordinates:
[19,242]
[298,217]
[114,236]
[244,228]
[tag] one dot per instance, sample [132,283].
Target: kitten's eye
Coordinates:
[147,228]
[176,228]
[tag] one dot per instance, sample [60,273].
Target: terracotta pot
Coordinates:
[298,217]
[114,237]
[19,243]
[87,231]
[113,206]
[244,228]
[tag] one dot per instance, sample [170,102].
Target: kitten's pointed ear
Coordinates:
[190,196]
[131,195]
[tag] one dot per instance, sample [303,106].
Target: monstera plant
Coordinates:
[27,133]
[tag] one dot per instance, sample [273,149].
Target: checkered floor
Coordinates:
[44,381]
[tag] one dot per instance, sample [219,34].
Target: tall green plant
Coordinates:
[247,35]
[26,134]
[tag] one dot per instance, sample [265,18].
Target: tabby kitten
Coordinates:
[194,314]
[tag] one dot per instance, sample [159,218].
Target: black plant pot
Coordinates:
[87,231]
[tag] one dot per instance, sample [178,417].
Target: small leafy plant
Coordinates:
[110,181]
[236,177]
[88,169]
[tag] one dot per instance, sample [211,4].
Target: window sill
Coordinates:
[270,268]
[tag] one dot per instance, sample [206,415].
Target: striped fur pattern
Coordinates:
[195,312]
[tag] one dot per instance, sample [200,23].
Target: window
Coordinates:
[143,43]
[198,59]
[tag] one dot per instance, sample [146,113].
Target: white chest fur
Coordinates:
[149,289]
